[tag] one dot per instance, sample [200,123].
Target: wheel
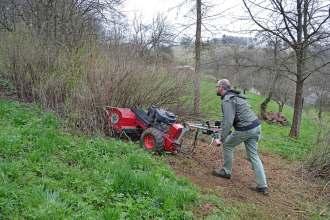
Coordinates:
[152,140]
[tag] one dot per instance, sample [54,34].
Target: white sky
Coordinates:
[230,21]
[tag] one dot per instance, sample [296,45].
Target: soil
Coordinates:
[292,191]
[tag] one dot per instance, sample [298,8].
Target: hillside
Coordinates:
[46,173]
[49,173]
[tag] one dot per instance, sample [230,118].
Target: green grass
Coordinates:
[48,174]
[275,138]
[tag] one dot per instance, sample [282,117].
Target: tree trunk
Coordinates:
[280,107]
[300,55]
[197,57]
[320,113]
[263,106]
[298,105]
[320,108]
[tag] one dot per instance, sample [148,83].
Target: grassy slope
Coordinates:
[275,138]
[46,173]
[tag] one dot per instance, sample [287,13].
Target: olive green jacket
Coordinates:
[236,112]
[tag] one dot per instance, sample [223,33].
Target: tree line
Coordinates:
[70,53]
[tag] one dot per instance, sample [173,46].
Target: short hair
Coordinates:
[224,83]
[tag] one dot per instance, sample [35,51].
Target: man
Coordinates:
[237,113]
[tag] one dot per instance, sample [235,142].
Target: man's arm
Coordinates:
[228,118]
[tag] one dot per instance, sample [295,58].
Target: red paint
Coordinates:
[149,142]
[171,136]
[128,120]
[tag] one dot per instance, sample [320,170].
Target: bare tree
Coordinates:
[139,36]
[152,39]
[61,21]
[198,36]
[200,9]
[319,85]
[161,35]
[274,44]
[283,92]
[299,23]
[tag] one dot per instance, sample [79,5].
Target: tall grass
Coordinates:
[319,158]
[79,82]
[48,174]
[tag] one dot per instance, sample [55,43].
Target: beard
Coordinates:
[218,93]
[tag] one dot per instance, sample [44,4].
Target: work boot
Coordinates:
[221,173]
[261,190]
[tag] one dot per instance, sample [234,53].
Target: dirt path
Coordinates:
[291,192]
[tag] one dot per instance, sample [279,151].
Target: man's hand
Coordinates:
[217,142]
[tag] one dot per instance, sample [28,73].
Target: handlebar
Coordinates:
[206,128]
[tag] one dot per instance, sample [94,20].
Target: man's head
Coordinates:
[223,85]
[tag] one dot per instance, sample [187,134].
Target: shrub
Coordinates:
[319,159]
[79,82]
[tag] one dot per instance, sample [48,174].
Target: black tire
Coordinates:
[157,137]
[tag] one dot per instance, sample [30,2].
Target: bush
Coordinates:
[79,82]
[319,158]
[319,161]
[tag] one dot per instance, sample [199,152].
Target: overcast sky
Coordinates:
[230,21]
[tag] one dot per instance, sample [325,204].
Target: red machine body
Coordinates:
[171,139]
[137,124]
[122,118]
